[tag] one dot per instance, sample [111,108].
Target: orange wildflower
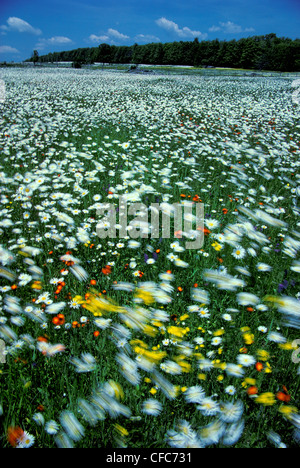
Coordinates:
[283,396]
[61,319]
[259,366]
[14,434]
[106,270]
[55,321]
[42,338]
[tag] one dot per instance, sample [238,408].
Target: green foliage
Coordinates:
[267,52]
[35,56]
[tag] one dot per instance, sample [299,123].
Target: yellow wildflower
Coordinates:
[183,317]
[287,410]
[150,331]
[25,254]
[152,356]
[119,394]
[262,355]
[268,368]
[250,381]
[267,399]
[248,338]
[139,342]
[288,346]
[219,332]
[202,376]
[177,331]
[217,246]
[219,365]
[157,323]
[198,355]
[185,366]
[78,299]
[145,296]
[122,431]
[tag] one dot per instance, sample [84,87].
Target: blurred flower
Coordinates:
[14,434]
[152,407]
[71,425]
[266,399]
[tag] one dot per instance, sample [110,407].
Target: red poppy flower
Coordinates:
[106,270]
[252,390]
[283,397]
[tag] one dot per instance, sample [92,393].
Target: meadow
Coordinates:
[141,342]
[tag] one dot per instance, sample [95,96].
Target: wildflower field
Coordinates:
[139,341]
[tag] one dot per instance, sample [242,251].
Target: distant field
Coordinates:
[136,339]
[168,69]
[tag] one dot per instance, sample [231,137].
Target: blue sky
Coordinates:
[55,25]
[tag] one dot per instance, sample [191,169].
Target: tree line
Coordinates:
[267,52]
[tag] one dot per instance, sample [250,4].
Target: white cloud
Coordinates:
[174,28]
[230,28]
[214,28]
[8,50]
[116,34]
[110,36]
[19,25]
[94,38]
[146,38]
[55,40]
[59,40]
